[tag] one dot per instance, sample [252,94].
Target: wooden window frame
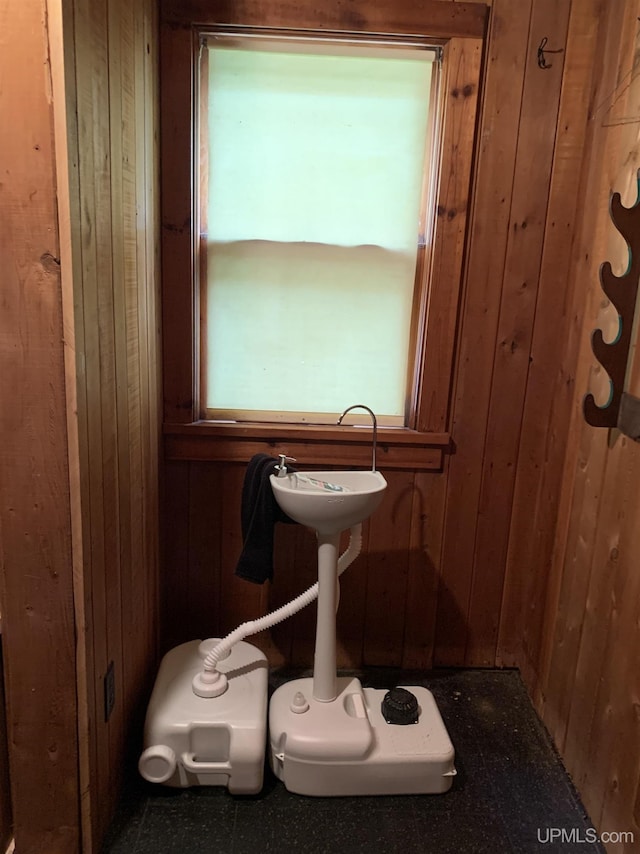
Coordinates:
[460,29]
[424,237]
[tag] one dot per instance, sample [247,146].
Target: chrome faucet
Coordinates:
[375,427]
[282,468]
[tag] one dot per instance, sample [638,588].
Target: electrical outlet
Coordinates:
[109,691]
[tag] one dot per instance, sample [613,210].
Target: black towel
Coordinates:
[259,513]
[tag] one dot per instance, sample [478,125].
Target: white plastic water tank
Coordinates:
[196,741]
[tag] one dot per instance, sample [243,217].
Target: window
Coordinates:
[315,205]
[236,246]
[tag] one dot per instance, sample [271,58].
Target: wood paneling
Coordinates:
[80,344]
[522,548]
[425,569]
[345,446]
[505,62]
[464,20]
[551,379]
[462,58]
[518,306]
[435,556]
[385,594]
[517,545]
[179,372]
[573,595]
[36,580]
[111,141]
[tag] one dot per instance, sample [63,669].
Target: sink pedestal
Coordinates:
[324,662]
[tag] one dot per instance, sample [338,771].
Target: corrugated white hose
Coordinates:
[211,683]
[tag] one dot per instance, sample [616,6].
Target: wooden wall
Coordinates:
[111,60]
[36,580]
[429,587]
[79,421]
[524,550]
[577,593]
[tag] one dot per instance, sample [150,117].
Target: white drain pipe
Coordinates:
[210,682]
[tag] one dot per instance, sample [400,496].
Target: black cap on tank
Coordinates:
[400,706]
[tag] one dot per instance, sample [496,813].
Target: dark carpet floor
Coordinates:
[511,793]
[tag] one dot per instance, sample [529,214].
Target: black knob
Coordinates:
[400,706]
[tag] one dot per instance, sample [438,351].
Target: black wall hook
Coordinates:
[542,59]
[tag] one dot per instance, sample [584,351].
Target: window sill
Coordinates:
[398,448]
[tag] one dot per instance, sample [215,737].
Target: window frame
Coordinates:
[459,28]
[424,235]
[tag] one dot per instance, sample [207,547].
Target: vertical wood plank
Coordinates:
[462,59]
[587,681]
[303,624]
[116,287]
[175,546]
[618,780]
[202,575]
[583,526]
[534,157]
[351,619]
[122,81]
[586,448]
[240,600]
[114,352]
[177,257]
[425,568]
[138,586]
[591,660]
[91,85]
[148,213]
[295,570]
[36,560]
[285,586]
[139,592]
[613,749]
[500,119]
[547,407]
[62,48]
[387,572]
[110,339]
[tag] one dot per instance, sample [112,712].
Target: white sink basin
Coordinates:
[348,498]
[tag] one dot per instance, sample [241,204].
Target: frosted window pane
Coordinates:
[315,180]
[306,326]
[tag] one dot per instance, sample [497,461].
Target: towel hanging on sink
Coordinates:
[259,513]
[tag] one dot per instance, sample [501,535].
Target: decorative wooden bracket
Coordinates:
[622,291]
